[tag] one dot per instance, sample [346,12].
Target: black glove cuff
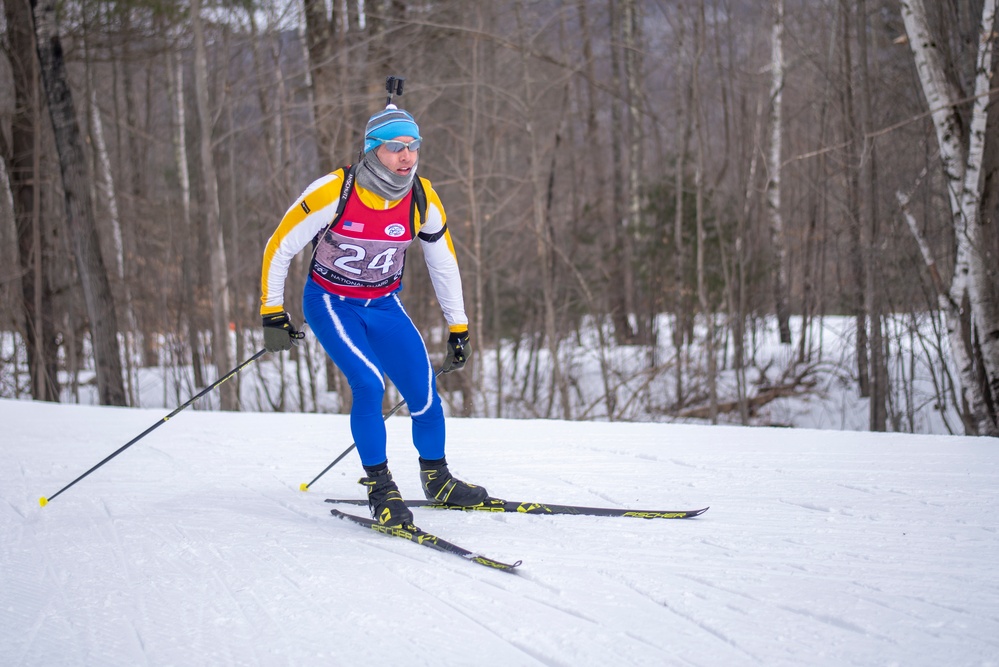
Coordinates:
[278,320]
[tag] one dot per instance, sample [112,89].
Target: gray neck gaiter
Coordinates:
[375,176]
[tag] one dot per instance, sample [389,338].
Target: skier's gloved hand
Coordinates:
[458,351]
[279,333]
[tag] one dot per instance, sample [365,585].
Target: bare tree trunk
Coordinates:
[323,45]
[707,309]
[949,309]
[105,180]
[878,418]
[219,282]
[10,274]
[632,222]
[188,317]
[541,230]
[983,290]
[813,271]
[321,40]
[681,311]
[79,206]
[777,240]
[962,172]
[858,266]
[39,331]
[141,323]
[600,186]
[271,124]
[474,210]
[620,312]
[742,262]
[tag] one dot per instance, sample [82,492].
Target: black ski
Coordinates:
[498,505]
[414,534]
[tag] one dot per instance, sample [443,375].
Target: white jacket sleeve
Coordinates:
[438,250]
[310,213]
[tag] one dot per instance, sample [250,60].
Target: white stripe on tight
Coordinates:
[430,369]
[350,344]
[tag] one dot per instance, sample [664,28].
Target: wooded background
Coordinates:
[711,165]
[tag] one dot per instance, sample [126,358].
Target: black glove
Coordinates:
[279,334]
[458,351]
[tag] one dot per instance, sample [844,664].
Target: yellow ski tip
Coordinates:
[43,501]
[303,487]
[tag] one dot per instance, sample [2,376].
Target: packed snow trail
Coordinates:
[196,547]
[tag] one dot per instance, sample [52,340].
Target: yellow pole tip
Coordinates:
[303,487]
[43,501]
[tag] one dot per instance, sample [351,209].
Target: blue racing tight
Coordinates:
[368,340]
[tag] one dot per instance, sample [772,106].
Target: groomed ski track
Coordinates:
[196,547]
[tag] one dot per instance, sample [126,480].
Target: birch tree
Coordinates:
[777,241]
[104,180]
[631,37]
[973,334]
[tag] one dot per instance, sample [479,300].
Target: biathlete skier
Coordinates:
[351,301]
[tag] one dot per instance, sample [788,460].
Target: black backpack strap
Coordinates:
[349,176]
[420,204]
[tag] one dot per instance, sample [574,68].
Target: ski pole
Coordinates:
[43,501]
[305,487]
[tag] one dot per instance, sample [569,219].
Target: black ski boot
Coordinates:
[439,486]
[384,499]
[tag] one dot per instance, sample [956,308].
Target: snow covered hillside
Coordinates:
[195,546]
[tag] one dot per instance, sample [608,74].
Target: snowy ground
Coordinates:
[195,546]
